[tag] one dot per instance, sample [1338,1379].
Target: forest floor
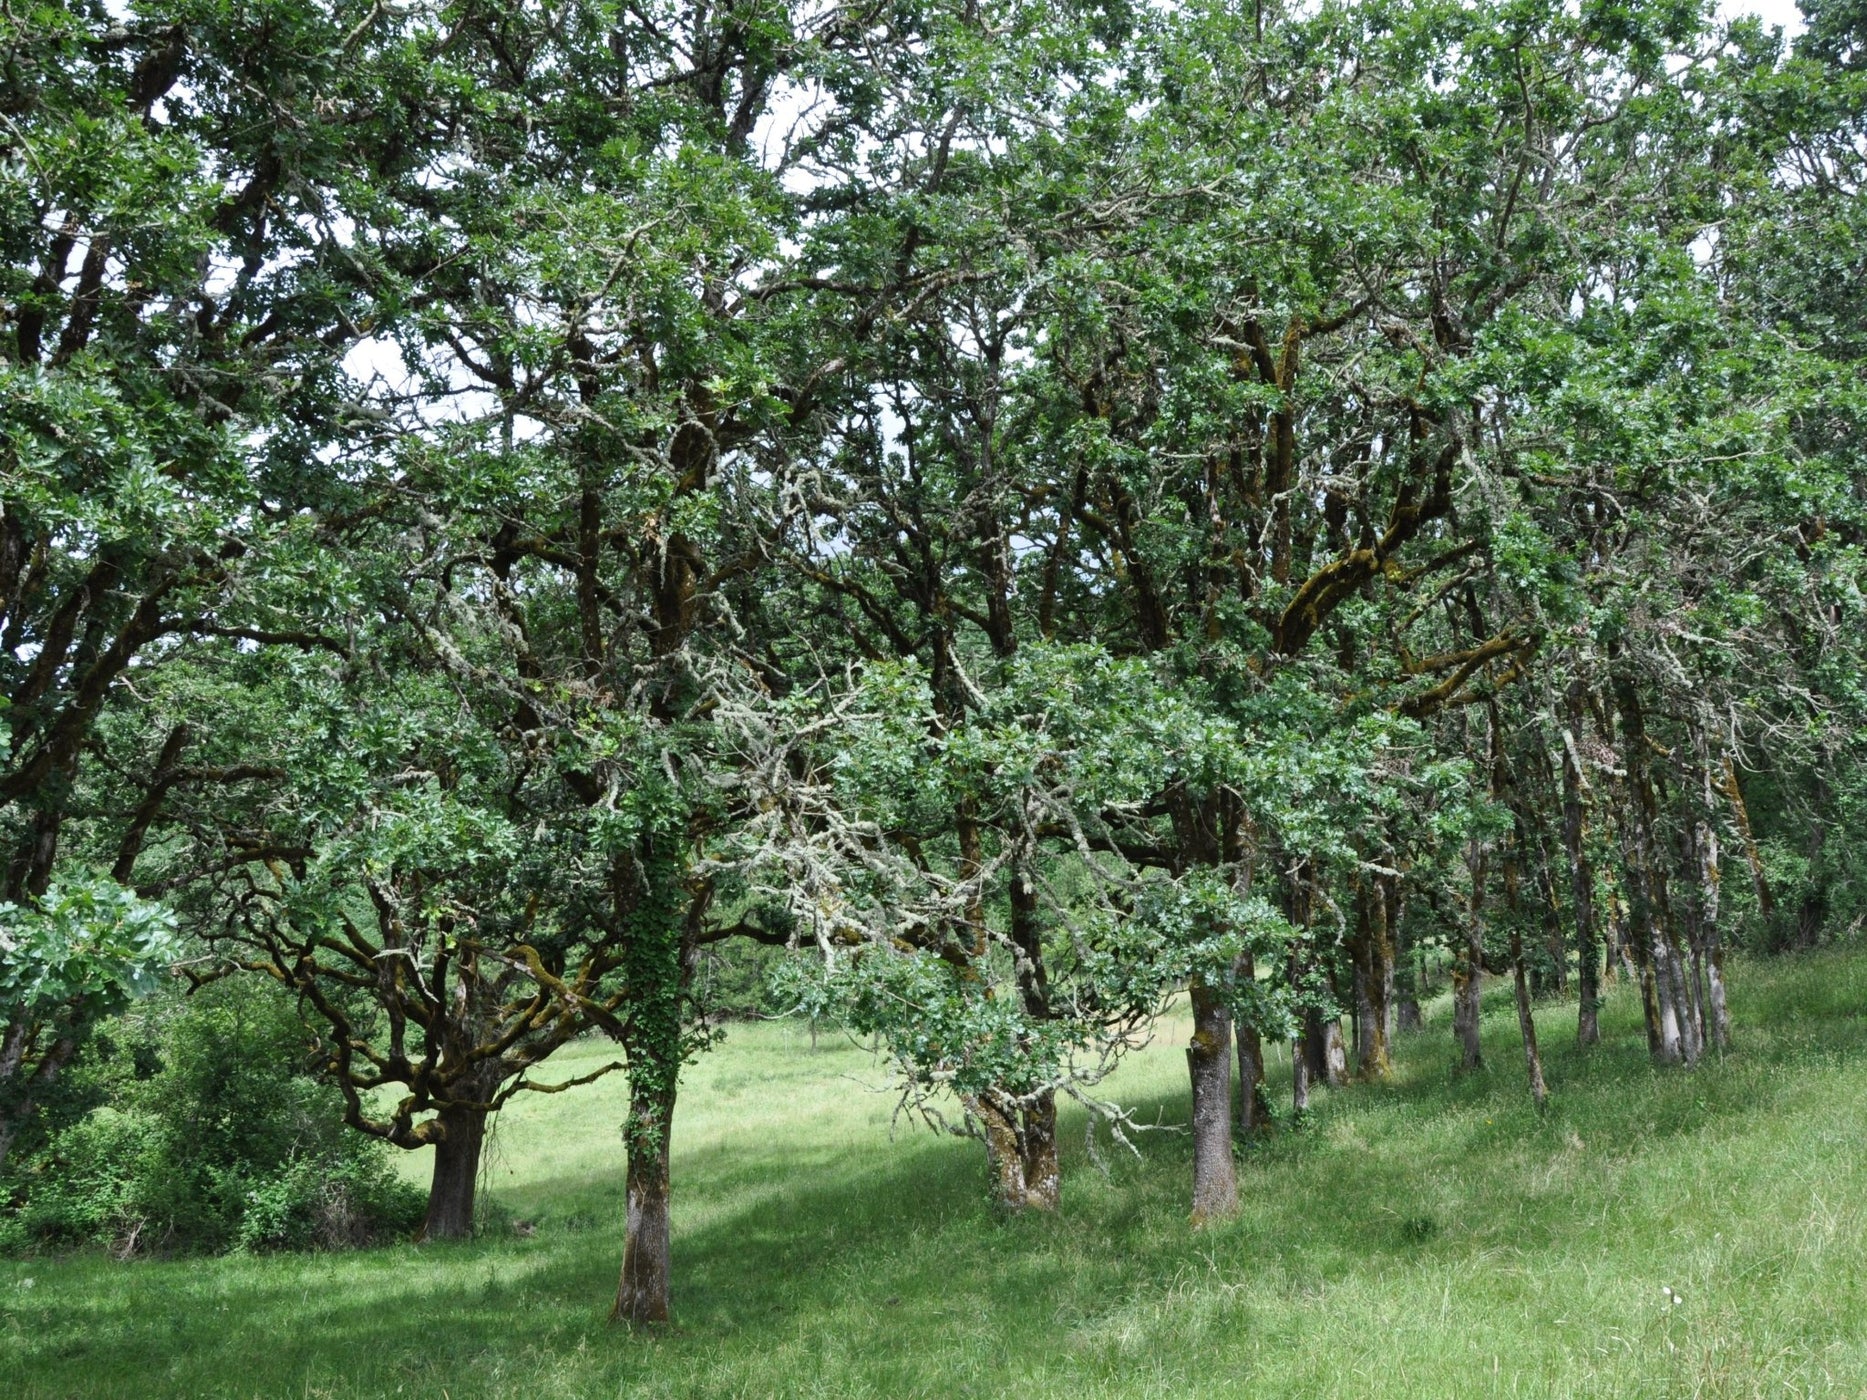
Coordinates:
[1426,1238]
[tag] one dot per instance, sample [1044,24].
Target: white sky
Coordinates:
[1779,12]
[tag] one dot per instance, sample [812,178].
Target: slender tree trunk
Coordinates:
[1646,888]
[1642,969]
[1408,1015]
[12,1055]
[1678,970]
[1039,1175]
[456,1173]
[1812,909]
[1674,1034]
[1468,972]
[1299,1076]
[1620,958]
[1526,1022]
[1253,1112]
[1740,817]
[647,1255]
[1393,905]
[1581,875]
[1717,1015]
[1689,952]
[1209,1063]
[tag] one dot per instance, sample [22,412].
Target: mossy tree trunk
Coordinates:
[1373,952]
[1209,1063]
[456,1176]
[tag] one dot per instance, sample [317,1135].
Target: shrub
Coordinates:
[230,1143]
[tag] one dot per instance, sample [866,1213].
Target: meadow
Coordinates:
[1655,1234]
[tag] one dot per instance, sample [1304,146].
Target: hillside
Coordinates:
[1426,1239]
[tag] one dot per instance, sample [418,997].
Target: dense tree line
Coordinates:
[1031,509]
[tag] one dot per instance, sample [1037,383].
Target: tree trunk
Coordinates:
[14,1047]
[1526,1022]
[1581,876]
[456,1173]
[1812,909]
[1407,1013]
[1393,907]
[12,1055]
[1684,1010]
[1334,1053]
[1468,972]
[1209,1063]
[1253,1111]
[1717,1015]
[1323,1049]
[1020,1151]
[1004,1156]
[1740,816]
[1373,951]
[1043,1172]
[1037,1181]
[1299,1076]
[1668,985]
[1662,986]
[647,1252]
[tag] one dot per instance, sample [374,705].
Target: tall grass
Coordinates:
[1432,1237]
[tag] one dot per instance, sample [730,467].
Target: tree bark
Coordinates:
[14,1047]
[1526,1022]
[1334,1051]
[1020,1151]
[1373,952]
[1661,986]
[1299,1076]
[1043,1172]
[1209,1063]
[1581,875]
[647,1253]
[1407,1013]
[1717,1015]
[1004,1157]
[1812,908]
[456,1173]
[1740,816]
[1253,1111]
[1468,972]
[1039,1173]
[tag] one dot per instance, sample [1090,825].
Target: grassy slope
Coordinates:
[1428,1239]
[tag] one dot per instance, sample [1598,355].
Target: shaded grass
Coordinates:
[1431,1237]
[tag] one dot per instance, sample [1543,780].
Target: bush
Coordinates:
[329,1205]
[89,1186]
[230,1143]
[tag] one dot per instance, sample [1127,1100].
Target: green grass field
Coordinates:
[1431,1238]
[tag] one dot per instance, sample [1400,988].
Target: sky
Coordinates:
[1783,12]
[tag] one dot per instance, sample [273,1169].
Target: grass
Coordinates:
[1427,1238]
